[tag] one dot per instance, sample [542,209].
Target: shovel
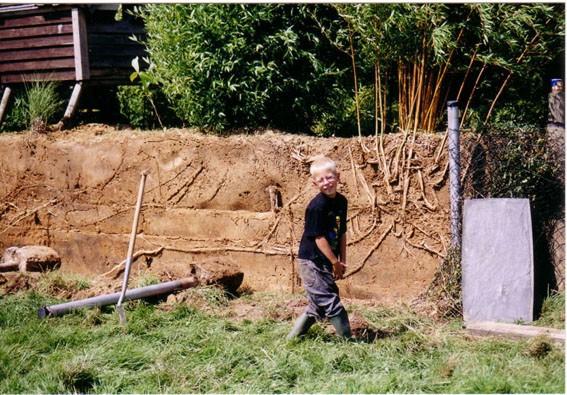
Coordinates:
[119,305]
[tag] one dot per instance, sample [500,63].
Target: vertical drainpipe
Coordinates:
[454,172]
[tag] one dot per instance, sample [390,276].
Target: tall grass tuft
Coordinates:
[41,104]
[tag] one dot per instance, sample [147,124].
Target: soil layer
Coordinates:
[237,199]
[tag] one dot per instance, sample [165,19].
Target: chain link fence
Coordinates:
[524,163]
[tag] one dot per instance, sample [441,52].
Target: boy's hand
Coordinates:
[339,269]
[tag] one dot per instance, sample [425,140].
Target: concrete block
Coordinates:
[497,258]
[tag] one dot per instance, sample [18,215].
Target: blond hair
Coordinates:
[321,163]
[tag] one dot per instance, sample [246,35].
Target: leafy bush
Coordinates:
[16,118]
[135,106]
[243,66]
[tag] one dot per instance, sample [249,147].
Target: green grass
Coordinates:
[190,350]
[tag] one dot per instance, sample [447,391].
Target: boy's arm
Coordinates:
[325,248]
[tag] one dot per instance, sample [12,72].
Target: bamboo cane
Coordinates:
[508,78]
[472,92]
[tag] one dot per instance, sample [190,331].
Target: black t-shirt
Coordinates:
[324,216]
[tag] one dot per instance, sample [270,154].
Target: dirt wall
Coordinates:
[207,197]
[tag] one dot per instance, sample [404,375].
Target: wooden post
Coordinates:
[4,103]
[80,45]
[71,107]
[73,101]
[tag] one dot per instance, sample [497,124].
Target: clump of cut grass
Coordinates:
[79,375]
[553,311]
[539,346]
[148,280]
[206,298]
[61,284]
[94,316]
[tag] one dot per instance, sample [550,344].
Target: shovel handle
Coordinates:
[143,174]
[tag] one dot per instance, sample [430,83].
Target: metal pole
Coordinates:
[103,300]
[454,172]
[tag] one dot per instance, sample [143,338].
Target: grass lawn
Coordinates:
[183,349]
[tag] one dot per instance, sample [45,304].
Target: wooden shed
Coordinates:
[78,44]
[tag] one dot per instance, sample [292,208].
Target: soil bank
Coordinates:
[208,198]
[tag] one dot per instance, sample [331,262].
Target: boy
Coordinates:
[322,252]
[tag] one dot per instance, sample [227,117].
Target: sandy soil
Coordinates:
[208,197]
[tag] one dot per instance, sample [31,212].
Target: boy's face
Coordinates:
[326,181]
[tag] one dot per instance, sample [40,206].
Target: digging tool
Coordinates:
[119,305]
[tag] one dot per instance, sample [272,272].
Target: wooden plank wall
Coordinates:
[39,45]
[111,49]
[36,45]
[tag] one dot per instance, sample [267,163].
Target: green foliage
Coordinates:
[16,118]
[421,53]
[187,351]
[232,66]
[37,101]
[135,107]
[291,66]
[512,172]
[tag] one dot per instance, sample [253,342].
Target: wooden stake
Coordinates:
[4,103]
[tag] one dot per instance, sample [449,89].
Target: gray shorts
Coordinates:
[322,291]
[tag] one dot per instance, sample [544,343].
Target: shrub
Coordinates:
[243,66]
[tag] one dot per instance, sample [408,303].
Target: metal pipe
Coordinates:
[454,171]
[103,300]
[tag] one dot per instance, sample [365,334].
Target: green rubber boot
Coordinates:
[302,325]
[341,324]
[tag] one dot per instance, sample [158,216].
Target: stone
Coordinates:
[37,258]
[498,261]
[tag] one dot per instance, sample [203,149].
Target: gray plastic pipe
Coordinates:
[103,300]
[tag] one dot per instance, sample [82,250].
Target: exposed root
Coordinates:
[353,168]
[270,233]
[370,193]
[172,178]
[365,235]
[431,206]
[123,210]
[441,179]
[441,146]
[29,213]
[370,252]
[185,187]
[135,256]
[425,247]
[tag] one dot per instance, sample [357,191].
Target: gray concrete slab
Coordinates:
[497,259]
